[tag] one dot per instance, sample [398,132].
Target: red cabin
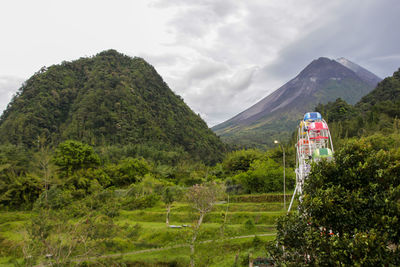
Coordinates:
[318,130]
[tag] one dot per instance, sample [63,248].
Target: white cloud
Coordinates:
[9,85]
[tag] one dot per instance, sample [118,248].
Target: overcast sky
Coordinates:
[221,56]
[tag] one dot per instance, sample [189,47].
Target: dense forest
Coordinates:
[109,100]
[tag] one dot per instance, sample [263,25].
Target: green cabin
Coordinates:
[322,153]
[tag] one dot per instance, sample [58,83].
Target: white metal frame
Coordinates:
[304,157]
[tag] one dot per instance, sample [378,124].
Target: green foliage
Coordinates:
[377,112]
[19,191]
[170,194]
[258,198]
[57,198]
[360,180]
[52,233]
[72,155]
[140,202]
[349,211]
[108,100]
[265,176]
[336,111]
[127,171]
[240,160]
[249,224]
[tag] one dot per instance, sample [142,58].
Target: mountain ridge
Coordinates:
[322,80]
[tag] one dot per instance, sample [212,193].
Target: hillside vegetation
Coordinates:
[350,209]
[107,100]
[377,112]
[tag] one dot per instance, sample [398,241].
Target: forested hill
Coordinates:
[108,99]
[377,112]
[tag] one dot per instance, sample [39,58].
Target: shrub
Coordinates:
[57,198]
[142,202]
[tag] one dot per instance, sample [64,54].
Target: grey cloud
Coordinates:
[161,60]
[359,30]
[205,70]
[196,19]
[217,98]
[279,37]
[8,87]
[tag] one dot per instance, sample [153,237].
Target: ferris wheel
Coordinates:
[314,143]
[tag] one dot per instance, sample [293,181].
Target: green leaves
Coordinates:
[72,155]
[109,99]
[349,213]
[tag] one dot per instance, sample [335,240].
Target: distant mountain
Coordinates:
[108,99]
[360,71]
[276,115]
[377,112]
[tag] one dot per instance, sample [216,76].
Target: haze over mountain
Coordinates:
[276,115]
[108,99]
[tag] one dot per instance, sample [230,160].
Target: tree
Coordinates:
[46,167]
[239,161]
[169,196]
[264,176]
[349,213]
[72,155]
[128,171]
[202,198]
[53,236]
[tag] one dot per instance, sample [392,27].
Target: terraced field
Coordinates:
[226,234]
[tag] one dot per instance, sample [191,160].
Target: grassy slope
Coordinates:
[155,234]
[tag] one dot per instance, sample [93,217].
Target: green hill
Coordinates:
[376,112]
[108,99]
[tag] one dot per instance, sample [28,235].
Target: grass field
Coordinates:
[151,232]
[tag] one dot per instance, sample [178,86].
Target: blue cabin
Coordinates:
[312,116]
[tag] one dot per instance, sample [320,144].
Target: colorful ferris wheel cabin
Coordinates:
[304,147]
[318,130]
[303,127]
[312,116]
[322,153]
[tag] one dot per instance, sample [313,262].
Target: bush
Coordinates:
[240,161]
[72,155]
[19,191]
[249,224]
[142,202]
[259,198]
[128,171]
[264,176]
[57,198]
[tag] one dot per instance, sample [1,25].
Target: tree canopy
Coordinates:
[108,99]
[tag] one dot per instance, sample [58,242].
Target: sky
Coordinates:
[221,56]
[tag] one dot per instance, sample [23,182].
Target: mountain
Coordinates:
[364,74]
[108,99]
[377,112]
[276,115]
